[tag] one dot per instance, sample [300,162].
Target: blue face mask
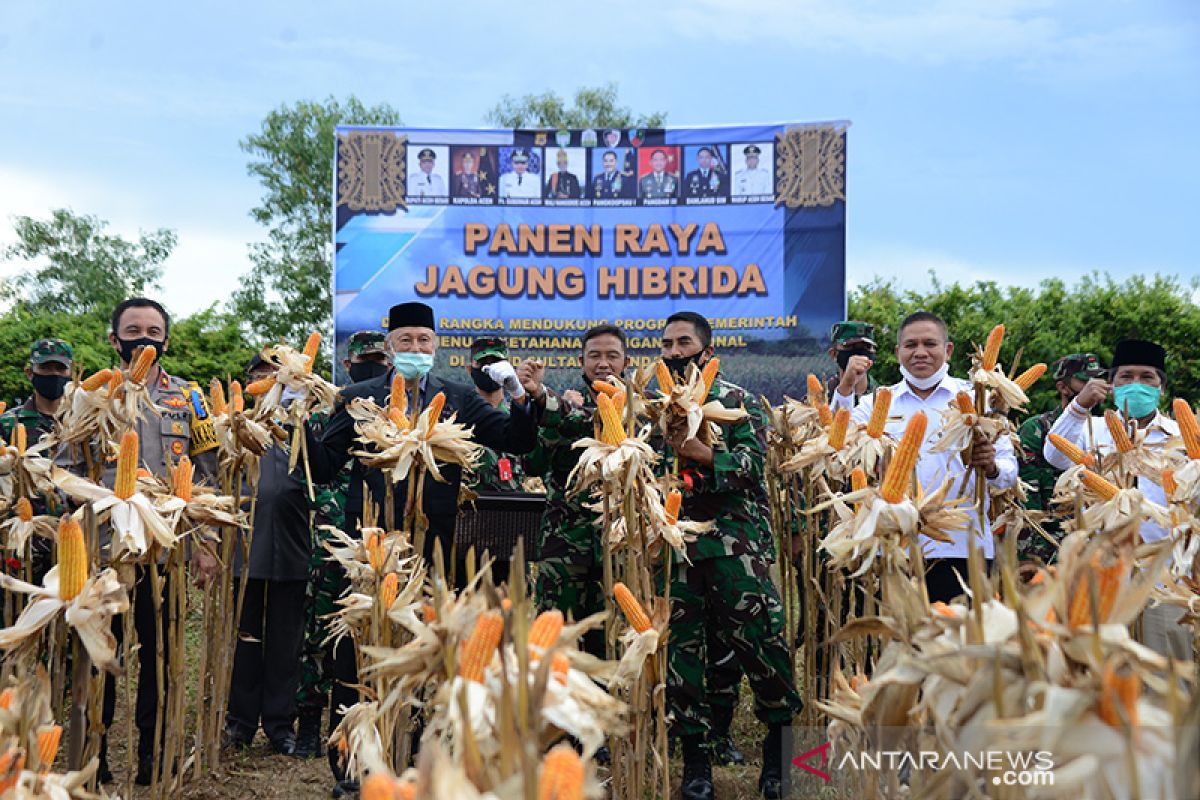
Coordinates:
[1137,399]
[412,365]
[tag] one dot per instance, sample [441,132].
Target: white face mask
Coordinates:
[925,383]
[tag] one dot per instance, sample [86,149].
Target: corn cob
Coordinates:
[72,559]
[618,401]
[6,698]
[825,414]
[604,387]
[965,403]
[20,439]
[310,349]
[709,373]
[562,775]
[943,610]
[142,472]
[1119,686]
[11,765]
[435,410]
[1116,429]
[127,464]
[991,351]
[858,479]
[1188,427]
[48,739]
[837,431]
[665,382]
[398,418]
[237,403]
[260,386]
[399,396]
[406,791]
[816,391]
[545,629]
[3,406]
[858,682]
[611,430]
[1108,584]
[114,383]
[1169,484]
[389,590]
[895,481]
[1099,485]
[1030,376]
[638,619]
[560,665]
[879,412]
[428,614]
[142,364]
[24,509]
[506,603]
[479,648]
[671,506]
[378,786]
[374,545]
[216,393]
[96,380]
[1071,450]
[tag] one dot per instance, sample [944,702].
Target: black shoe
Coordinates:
[602,756]
[724,752]
[344,787]
[770,780]
[103,773]
[237,737]
[285,744]
[697,783]
[308,737]
[145,770]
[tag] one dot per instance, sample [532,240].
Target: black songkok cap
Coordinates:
[411,315]
[1140,352]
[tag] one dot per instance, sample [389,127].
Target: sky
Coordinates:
[1006,140]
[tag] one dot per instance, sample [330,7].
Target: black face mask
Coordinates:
[483,381]
[129,347]
[679,364]
[50,387]
[843,357]
[365,370]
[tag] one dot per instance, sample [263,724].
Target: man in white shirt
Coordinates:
[424,182]
[1138,377]
[752,179]
[923,348]
[519,183]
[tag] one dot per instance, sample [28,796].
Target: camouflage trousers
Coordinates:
[326,583]
[733,598]
[574,588]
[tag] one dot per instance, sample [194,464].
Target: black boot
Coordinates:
[724,752]
[697,781]
[771,781]
[103,773]
[308,735]
[145,767]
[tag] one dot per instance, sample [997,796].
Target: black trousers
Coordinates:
[266,664]
[145,625]
[941,581]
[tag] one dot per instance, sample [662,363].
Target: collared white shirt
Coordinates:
[527,185]
[934,468]
[1080,427]
[422,184]
[752,181]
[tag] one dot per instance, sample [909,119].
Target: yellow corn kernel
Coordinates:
[858,479]
[612,432]
[479,648]
[11,765]
[665,382]
[991,351]
[182,478]
[48,739]
[1116,429]
[562,774]
[837,432]
[72,558]
[237,403]
[709,373]
[560,665]
[216,394]
[1188,427]
[1119,686]
[604,387]
[435,411]
[1169,484]
[1071,450]
[618,401]
[20,438]
[406,791]
[399,396]
[388,590]
[545,629]
[428,614]
[1030,376]
[7,697]
[378,786]
[638,619]
[142,364]
[965,403]
[114,383]
[825,415]
[127,464]
[398,418]
[816,390]
[373,542]
[310,349]
[904,461]
[1099,485]
[96,380]
[879,412]
[260,386]
[671,507]
[3,406]
[24,509]
[1109,571]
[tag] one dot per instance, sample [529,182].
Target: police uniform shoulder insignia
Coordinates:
[204,437]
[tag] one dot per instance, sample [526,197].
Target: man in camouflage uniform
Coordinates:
[850,338]
[49,372]
[365,359]
[725,583]
[497,472]
[1071,373]
[570,558]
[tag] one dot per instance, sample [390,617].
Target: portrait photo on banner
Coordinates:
[706,171]
[613,174]
[753,170]
[521,174]
[428,172]
[473,172]
[566,173]
[658,173]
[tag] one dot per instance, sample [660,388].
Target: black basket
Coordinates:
[495,521]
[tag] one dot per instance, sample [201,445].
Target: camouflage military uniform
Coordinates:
[570,554]
[728,579]
[37,427]
[497,472]
[1041,477]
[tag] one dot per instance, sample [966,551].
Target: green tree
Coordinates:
[594,107]
[286,294]
[78,268]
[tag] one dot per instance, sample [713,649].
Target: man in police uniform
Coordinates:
[563,185]
[751,179]
[611,184]
[185,428]
[1071,374]
[423,183]
[847,339]
[659,183]
[519,182]
[705,180]
[49,372]
[467,183]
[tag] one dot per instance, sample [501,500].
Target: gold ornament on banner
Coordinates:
[371,170]
[810,166]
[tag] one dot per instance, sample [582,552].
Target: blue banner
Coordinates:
[537,235]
